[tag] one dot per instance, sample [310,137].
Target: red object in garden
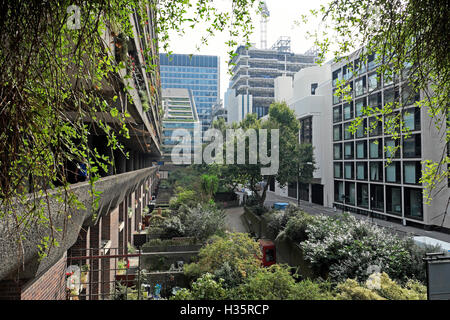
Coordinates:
[268,252]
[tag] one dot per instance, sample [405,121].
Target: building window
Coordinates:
[346,70]
[375,148]
[360,86]
[306,130]
[337,114]
[391,96]
[350,193]
[313,88]
[362,191]
[375,100]
[393,172]
[376,171]
[348,150]
[413,203]
[411,119]
[361,149]
[360,104]
[349,170]
[348,111]
[412,171]
[338,170]
[409,95]
[347,133]
[389,77]
[337,154]
[361,170]
[412,147]
[374,81]
[338,191]
[391,123]
[360,66]
[394,200]
[371,62]
[336,98]
[377,197]
[375,127]
[361,129]
[391,148]
[337,76]
[337,132]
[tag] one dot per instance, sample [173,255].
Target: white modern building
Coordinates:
[308,94]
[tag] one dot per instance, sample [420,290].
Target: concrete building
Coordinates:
[200,74]
[251,88]
[179,113]
[91,239]
[308,95]
[364,182]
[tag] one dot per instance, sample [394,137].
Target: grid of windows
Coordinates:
[373,171]
[195,72]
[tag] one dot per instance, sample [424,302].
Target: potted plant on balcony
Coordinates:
[84,274]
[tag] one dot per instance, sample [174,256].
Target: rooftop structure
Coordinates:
[255,70]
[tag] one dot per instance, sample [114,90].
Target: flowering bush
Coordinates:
[344,247]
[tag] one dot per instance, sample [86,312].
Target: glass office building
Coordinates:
[200,74]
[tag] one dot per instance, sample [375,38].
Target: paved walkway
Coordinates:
[234,220]
[315,209]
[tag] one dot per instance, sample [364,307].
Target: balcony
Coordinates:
[113,190]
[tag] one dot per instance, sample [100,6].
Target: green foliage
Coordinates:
[385,289]
[53,81]
[210,185]
[296,226]
[205,288]
[200,221]
[183,197]
[236,251]
[344,247]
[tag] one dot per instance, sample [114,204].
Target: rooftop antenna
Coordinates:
[265,14]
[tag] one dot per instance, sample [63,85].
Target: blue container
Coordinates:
[280,205]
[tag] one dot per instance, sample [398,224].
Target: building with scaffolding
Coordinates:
[253,77]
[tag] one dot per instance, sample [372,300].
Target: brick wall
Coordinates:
[49,286]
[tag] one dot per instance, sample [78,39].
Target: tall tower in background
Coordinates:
[200,74]
[265,14]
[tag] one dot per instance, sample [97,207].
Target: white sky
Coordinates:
[283,14]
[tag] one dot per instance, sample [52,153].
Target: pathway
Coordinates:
[233,219]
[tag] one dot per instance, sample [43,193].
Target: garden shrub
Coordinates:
[274,221]
[205,288]
[296,226]
[173,227]
[238,250]
[183,197]
[383,289]
[203,221]
[344,247]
